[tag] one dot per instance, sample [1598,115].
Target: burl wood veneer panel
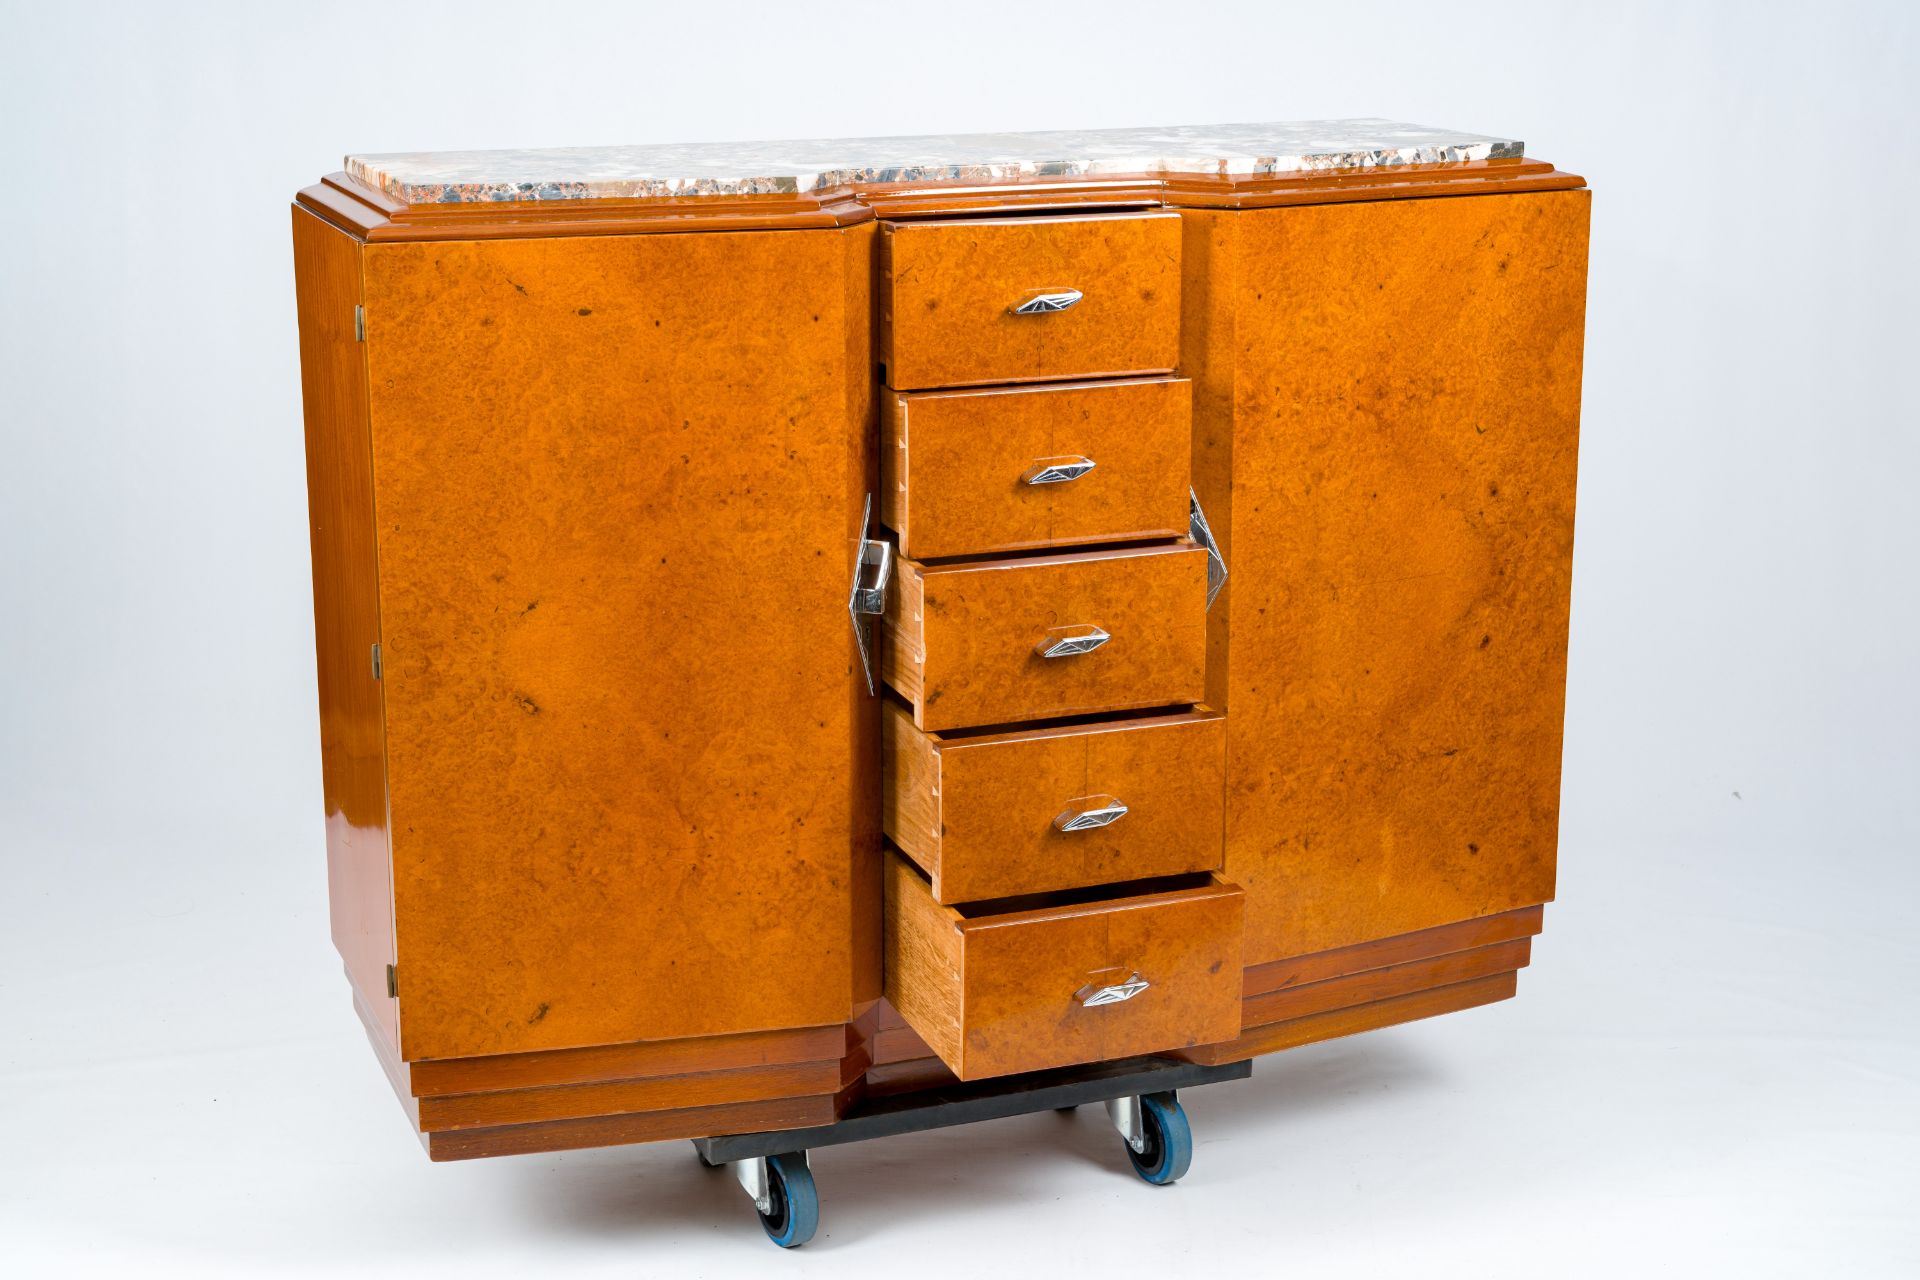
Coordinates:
[619,482]
[346,612]
[1405,417]
[949,285]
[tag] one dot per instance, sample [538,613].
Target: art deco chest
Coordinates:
[818,631]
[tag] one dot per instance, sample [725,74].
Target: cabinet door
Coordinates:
[1405,400]
[632,761]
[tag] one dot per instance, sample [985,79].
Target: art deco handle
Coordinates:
[1088,812]
[1045,301]
[1198,531]
[866,599]
[1091,997]
[1056,470]
[1064,642]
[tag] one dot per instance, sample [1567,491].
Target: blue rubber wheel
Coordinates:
[1169,1140]
[795,1215]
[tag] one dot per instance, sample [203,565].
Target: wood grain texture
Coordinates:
[976,812]
[997,994]
[952,464]
[1278,975]
[1405,424]
[613,475]
[1346,1022]
[651,1126]
[622,1097]
[346,613]
[646,1060]
[948,286]
[1385,983]
[959,641]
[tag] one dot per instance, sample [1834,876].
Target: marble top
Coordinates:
[813,165]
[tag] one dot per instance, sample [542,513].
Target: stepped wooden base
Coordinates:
[511,1104]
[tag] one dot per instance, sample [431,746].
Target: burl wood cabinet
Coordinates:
[804,623]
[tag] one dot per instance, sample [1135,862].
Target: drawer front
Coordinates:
[1038,810]
[953,293]
[998,641]
[977,472]
[1053,986]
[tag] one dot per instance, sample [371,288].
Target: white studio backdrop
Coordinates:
[1712,1067]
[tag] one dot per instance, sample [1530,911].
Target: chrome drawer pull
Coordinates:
[1064,642]
[1056,470]
[1089,812]
[1045,302]
[1093,997]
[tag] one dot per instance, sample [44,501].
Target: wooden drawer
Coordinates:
[1008,469]
[991,815]
[951,290]
[1014,987]
[963,643]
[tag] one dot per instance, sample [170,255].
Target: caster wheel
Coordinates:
[796,1205]
[1169,1140]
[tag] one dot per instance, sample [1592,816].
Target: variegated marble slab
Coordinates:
[751,168]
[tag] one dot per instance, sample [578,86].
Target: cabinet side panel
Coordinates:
[859,264]
[1405,434]
[617,506]
[346,620]
[1209,357]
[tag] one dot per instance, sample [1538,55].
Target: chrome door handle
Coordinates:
[1088,812]
[1092,997]
[1064,642]
[865,600]
[1056,470]
[1045,301]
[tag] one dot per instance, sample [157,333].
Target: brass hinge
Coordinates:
[359,324]
[376,660]
[393,985]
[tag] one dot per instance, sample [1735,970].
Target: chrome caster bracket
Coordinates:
[1126,1117]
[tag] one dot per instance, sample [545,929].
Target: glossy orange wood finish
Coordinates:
[948,288]
[977,811]
[646,1126]
[1386,983]
[619,481]
[646,1060]
[953,462]
[346,612]
[1296,971]
[1405,405]
[960,641]
[620,1097]
[1001,993]
[1363,1017]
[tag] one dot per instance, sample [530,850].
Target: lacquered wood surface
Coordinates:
[647,1126]
[953,462]
[960,641]
[948,287]
[998,994]
[1363,1017]
[346,612]
[1296,971]
[977,812]
[1386,983]
[619,481]
[645,1060]
[1404,428]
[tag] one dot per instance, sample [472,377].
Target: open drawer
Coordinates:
[1039,808]
[1021,985]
